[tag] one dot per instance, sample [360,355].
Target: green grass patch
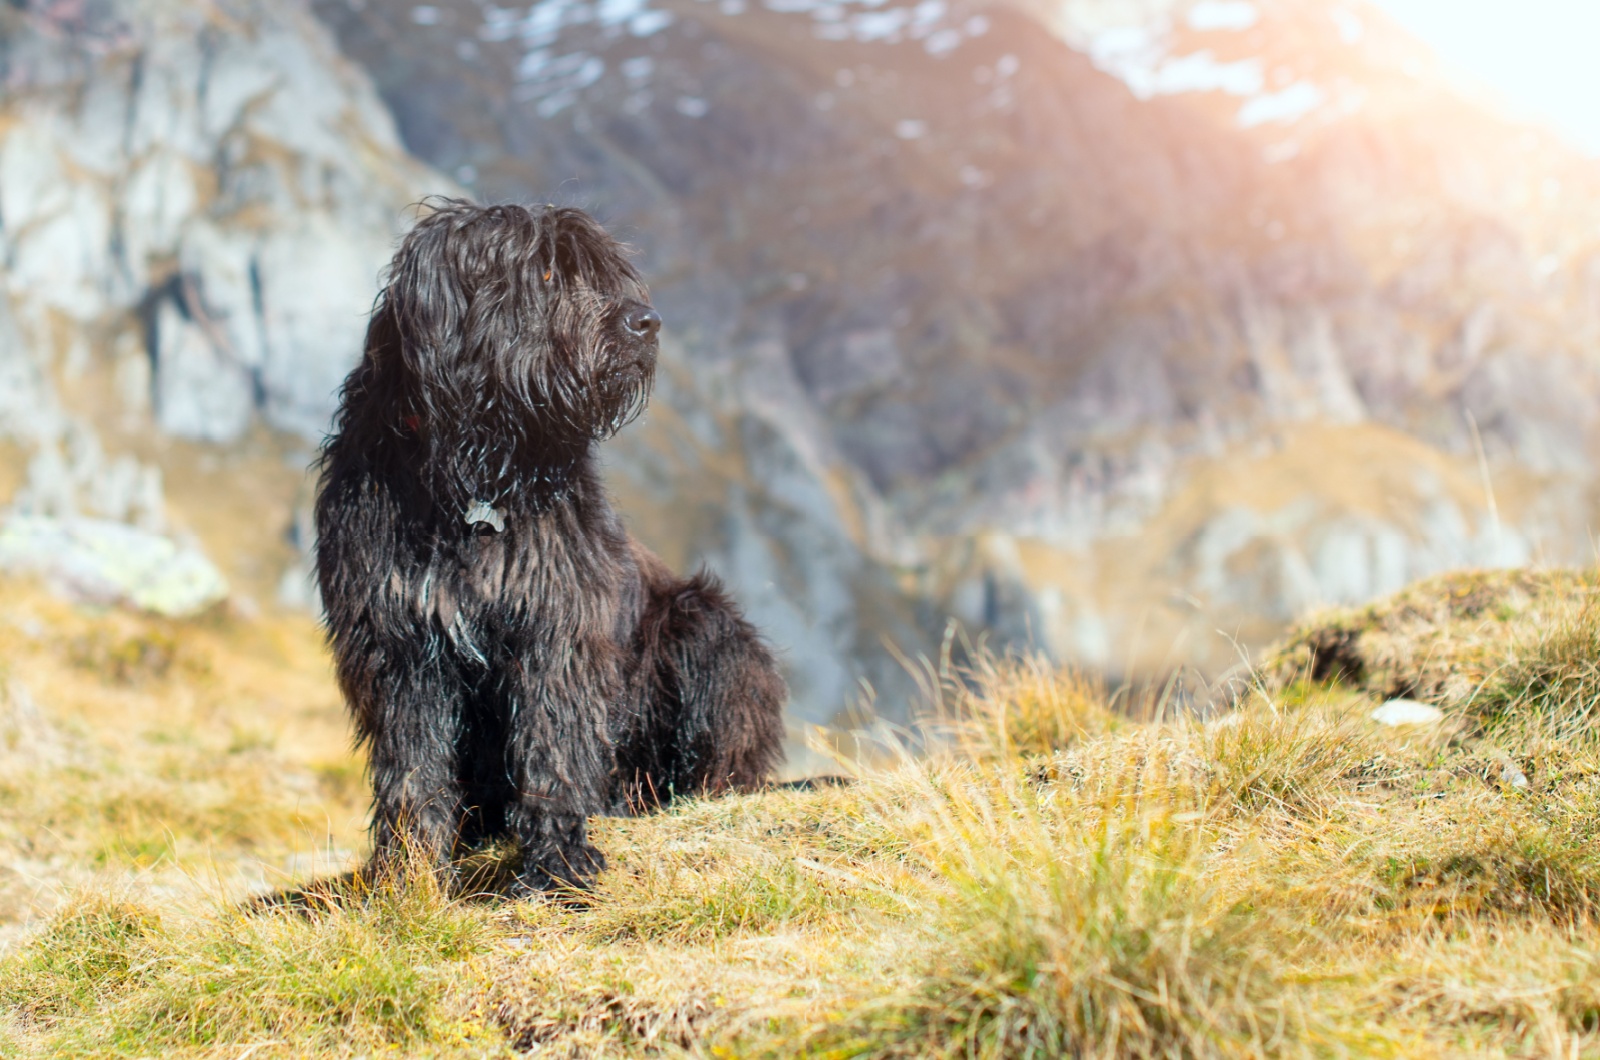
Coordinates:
[81,960]
[385,970]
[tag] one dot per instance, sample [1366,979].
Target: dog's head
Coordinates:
[531,316]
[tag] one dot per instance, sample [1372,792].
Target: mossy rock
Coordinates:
[1454,640]
[105,562]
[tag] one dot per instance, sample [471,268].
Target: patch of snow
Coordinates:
[650,23]
[425,15]
[1124,43]
[880,25]
[1131,54]
[1136,57]
[639,68]
[943,42]
[499,24]
[554,80]
[635,14]
[1351,28]
[692,107]
[1284,108]
[1223,15]
[616,12]
[876,21]
[533,65]
[1200,72]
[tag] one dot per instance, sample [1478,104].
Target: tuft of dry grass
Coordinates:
[1089,928]
[1550,681]
[1023,705]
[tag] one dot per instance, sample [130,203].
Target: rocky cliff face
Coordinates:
[210,175]
[195,200]
[1110,324]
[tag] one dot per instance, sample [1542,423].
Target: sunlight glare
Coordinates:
[1538,55]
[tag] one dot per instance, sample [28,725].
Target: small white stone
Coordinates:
[1513,777]
[1407,712]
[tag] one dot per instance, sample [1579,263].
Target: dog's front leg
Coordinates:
[414,729]
[563,762]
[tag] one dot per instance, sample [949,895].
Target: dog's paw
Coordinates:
[550,869]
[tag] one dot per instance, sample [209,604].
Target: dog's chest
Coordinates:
[531,584]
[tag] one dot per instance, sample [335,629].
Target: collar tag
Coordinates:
[484,512]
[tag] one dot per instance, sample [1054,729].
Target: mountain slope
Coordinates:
[1012,282]
[1109,325]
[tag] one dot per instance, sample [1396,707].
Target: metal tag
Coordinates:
[484,512]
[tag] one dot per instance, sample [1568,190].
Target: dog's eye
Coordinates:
[547,274]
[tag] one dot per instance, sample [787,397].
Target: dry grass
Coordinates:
[1477,642]
[1286,880]
[171,757]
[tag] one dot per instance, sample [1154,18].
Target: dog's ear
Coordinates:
[382,346]
[582,251]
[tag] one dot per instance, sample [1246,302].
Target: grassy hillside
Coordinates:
[1048,878]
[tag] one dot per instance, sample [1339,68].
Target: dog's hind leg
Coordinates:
[705,711]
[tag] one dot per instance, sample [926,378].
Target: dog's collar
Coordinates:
[486,513]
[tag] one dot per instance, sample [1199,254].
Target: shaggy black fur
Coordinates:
[514,660]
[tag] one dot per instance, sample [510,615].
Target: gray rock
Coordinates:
[227,176]
[103,562]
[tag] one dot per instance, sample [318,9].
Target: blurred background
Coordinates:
[1131,329]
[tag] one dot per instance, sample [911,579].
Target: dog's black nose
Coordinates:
[643,321]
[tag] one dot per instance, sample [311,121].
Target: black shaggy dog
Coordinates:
[514,660]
